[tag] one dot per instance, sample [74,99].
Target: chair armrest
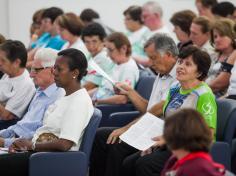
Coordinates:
[109,109]
[221,153]
[120,119]
[58,163]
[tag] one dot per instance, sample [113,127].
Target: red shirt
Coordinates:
[194,164]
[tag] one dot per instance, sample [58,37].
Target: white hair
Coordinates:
[153,7]
[47,56]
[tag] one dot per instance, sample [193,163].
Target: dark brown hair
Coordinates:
[52,13]
[187,129]
[119,40]
[207,3]
[204,22]
[14,50]
[70,22]
[199,57]
[183,19]
[135,13]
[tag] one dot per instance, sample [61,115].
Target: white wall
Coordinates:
[15,15]
[4,27]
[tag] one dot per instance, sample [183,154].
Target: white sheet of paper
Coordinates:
[3,150]
[141,133]
[100,71]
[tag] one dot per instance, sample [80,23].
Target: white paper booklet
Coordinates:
[141,133]
[3,150]
[100,71]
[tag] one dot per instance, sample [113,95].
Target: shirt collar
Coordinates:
[172,73]
[48,91]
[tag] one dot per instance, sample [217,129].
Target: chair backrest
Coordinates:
[58,164]
[226,120]
[221,153]
[90,132]
[144,86]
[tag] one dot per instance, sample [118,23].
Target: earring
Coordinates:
[74,77]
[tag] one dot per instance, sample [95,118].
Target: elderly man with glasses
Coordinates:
[46,94]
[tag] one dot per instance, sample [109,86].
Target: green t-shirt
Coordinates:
[200,98]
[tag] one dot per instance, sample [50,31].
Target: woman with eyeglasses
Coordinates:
[64,121]
[125,70]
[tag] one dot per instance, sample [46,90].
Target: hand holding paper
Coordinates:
[140,134]
[94,66]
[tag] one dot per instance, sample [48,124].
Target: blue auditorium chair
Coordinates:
[225,133]
[67,163]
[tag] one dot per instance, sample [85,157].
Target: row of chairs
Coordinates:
[223,150]
[67,163]
[76,163]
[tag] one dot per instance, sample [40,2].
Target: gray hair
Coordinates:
[47,56]
[153,7]
[163,43]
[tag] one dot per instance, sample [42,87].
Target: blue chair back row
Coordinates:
[67,163]
[90,132]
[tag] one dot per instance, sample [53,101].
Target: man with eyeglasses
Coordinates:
[46,94]
[20,89]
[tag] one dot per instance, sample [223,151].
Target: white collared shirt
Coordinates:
[161,87]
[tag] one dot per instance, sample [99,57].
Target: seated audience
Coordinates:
[190,147]
[89,16]
[137,32]
[21,89]
[93,36]
[64,121]
[46,94]
[223,37]
[70,27]
[204,8]
[125,70]
[223,9]
[35,28]
[152,14]
[50,37]
[111,158]
[163,51]
[231,63]
[182,21]
[200,34]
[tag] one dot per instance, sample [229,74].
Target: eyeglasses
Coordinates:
[37,70]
